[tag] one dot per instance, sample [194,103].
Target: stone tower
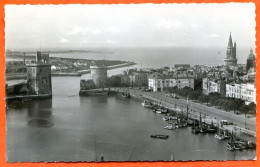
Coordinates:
[99,75]
[39,75]
[250,63]
[230,59]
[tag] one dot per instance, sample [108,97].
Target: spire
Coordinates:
[230,44]
[251,51]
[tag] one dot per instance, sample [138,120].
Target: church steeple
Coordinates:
[230,59]
[251,51]
[230,43]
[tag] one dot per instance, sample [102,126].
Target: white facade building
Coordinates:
[245,92]
[138,79]
[159,83]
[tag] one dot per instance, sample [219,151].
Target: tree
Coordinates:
[237,104]
[252,107]
[194,95]
[204,99]
[245,108]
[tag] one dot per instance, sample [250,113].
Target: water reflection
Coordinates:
[39,113]
[93,99]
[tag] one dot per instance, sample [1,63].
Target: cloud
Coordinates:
[98,41]
[63,40]
[167,24]
[214,35]
[82,31]
[113,29]
[194,25]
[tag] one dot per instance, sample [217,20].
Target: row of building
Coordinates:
[244,91]
[234,81]
[229,80]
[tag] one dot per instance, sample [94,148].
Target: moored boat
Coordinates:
[203,130]
[212,130]
[159,111]
[160,136]
[230,147]
[219,136]
[147,104]
[170,127]
[195,130]
[126,95]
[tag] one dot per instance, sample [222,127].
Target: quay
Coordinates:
[193,113]
[27,97]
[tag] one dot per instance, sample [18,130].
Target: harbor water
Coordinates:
[73,128]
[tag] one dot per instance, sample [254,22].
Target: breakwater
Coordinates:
[109,67]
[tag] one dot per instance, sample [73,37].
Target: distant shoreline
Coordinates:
[79,73]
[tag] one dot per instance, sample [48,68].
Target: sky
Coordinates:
[129,25]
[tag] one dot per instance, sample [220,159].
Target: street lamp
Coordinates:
[187,107]
[245,120]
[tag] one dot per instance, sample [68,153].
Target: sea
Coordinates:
[156,57]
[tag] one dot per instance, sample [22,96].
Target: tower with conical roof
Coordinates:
[250,60]
[231,59]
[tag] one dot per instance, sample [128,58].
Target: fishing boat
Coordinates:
[212,128]
[230,147]
[237,146]
[170,127]
[173,118]
[203,130]
[125,95]
[195,130]
[190,122]
[227,135]
[158,111]
[164,111]
[160,136]
[167,118]
[178,125]
[233,143]
[243,144]
[251,145]
[219,136]
[184,124]
[147,104]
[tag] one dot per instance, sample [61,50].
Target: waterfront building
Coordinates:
[99,75]
[212,85]
[39,75]
[245,91]
[230,59]
[160,82]
[138,79]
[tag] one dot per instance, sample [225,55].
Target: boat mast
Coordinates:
[200,120]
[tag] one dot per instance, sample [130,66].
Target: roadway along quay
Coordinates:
[195,108]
